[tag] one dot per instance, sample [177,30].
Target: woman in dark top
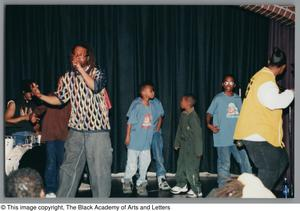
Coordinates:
[17,114]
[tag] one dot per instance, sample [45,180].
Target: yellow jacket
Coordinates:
[255,118]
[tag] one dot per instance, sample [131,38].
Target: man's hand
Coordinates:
[127,141]
[35,90]
[213,128]
[53,100]
[77,66]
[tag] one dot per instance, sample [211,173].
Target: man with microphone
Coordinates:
[88,139]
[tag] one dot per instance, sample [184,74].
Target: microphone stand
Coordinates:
[290,139]
[291,126]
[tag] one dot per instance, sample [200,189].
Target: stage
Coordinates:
[209,182]
[180,49]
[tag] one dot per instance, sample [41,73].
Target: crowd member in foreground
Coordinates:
[245,186]
[25,182]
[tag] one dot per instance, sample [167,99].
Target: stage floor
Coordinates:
[208,183]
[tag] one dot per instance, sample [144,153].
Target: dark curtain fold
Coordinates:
[180,48]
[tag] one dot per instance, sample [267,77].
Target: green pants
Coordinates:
[188,169]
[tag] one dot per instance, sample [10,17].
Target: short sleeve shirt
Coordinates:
[89,111]
[142,119]
[157,109]
[225,111]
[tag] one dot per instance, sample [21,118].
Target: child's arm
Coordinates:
[178,136]
[127,139]
[159,123]
[209,115]
[210,126]
[197,135]
[132,119]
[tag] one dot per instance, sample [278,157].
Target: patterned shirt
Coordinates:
[89,111]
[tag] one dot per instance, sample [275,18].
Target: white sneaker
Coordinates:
[50,195]
[163,185]
[192,194]
[178,190]
[84,187]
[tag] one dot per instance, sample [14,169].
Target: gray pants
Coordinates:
[93,148]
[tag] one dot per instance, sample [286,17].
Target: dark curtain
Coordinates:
[180,48]
[283,36]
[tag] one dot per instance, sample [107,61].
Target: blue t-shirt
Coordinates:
[157,109]
[225,111]
[143,120]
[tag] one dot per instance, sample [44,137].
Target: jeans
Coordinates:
[157,153]
[270,161]
[21,136]
[93,148]
[223,162]
[137,160]
[55,156]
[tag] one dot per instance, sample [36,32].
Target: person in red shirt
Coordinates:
[54,134]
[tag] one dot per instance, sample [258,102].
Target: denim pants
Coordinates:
[55,156]
[157,153]
[93,148]
[21,136]
[270,161]
[223,162]
[137,160]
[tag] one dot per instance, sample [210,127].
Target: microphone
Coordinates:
[74,71]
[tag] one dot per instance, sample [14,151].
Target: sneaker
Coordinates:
[142,189]
[127,189]
[84,187]
[178,190]
[163,185]
[50,195]
[192,194]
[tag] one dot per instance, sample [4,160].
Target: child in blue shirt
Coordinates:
[224,110]
[140,128]
[157,140]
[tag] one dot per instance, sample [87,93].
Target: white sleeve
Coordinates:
[268,95]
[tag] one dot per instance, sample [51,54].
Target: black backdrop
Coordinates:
[180,48]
